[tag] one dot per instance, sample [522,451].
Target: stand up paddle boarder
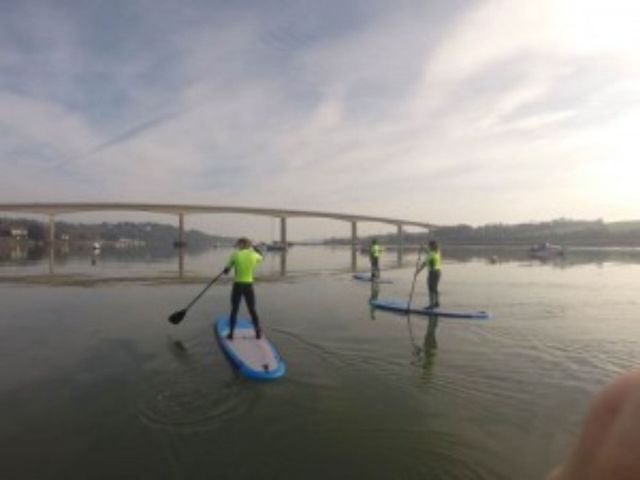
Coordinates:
[375,250]
[243,261]
[433,262]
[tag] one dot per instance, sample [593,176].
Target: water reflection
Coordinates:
[375,293]
[188,263]
[425,355]
[177,349]
[354,258]
[574,256]
[283,262]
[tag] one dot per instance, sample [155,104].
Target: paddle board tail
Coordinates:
[253,358]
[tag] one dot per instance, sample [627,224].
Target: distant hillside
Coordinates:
[561,231]
[149,233]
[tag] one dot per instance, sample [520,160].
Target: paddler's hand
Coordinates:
[226,270]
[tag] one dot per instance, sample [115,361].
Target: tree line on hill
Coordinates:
[150,233]
[591,233]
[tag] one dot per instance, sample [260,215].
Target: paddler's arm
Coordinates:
[230,264]
[259,256]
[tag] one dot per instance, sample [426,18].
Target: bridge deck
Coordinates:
[66,208]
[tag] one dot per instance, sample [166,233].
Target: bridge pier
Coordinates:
[181,263]
[52,229]
[400,242]
[181,229]
[354,246]
[283,231]
[181,242]
[283,263]
[51,243]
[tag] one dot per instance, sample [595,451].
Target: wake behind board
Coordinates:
[400,306]
[366,277]
[256,359]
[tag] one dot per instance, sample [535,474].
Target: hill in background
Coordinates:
[562,232]
[147,233]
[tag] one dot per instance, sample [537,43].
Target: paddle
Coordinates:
[415,275]
[176,317]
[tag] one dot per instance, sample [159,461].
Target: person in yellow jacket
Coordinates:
[433,262]
[375,251]
[243,261]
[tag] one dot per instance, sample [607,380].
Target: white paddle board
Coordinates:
[254,358]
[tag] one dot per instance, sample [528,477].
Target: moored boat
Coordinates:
[546,251]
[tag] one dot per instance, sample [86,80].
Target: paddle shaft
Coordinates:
[415,276]
[203,291]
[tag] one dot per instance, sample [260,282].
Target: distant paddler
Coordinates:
[432,262]
[243,261]
[375,251]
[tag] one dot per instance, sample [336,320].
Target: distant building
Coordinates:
[19,233]
[129,243]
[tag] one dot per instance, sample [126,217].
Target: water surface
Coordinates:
[95,383]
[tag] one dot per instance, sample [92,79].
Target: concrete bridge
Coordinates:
[54,209]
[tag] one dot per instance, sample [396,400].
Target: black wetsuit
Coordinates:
[238,291]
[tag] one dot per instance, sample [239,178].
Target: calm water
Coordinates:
[95,383]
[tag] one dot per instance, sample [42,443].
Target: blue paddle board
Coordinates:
[254,358]
[400,306]
[366,277]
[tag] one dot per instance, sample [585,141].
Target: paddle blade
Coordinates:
[176,317]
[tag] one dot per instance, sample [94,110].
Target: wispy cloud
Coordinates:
[444,111]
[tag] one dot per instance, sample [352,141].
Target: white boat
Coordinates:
[546,251]
[277,247]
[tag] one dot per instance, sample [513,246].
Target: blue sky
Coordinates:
[439,111]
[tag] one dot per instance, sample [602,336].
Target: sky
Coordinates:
[442,111]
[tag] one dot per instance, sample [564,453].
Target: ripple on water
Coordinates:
[361,356]
[190,400]
[416,453]
[442,459]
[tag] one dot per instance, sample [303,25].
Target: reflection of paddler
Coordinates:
[426,354]
[375,292]
[375,251]
[430,344]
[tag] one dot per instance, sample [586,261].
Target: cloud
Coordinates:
[444,112]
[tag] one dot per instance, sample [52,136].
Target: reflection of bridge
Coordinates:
[53,209]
